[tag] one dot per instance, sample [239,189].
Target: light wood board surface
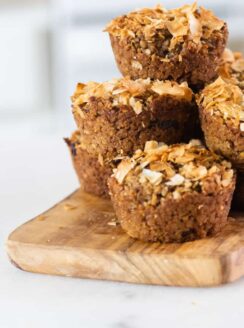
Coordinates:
[80,237]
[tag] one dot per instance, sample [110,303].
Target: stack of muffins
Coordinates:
[138,136]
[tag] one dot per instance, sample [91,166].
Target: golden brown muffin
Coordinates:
[222,120]
[119,116]
[232,70]
[91,170]
[183,44]
[172,193]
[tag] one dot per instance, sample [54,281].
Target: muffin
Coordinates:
[183,44]
[232,68]
[172,193]
[232,71]
[91,170]
[222,120]
[119,116]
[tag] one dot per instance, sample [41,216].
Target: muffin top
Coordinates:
[186,21]
[232,68]
[128,92]
[172,171]
[224,99]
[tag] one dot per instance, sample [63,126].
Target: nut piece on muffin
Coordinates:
[119,116]
[222,119]
[172,193]
[92,171]
[183,44]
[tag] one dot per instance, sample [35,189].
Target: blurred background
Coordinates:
[48,46]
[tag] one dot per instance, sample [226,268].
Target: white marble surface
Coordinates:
[34,174]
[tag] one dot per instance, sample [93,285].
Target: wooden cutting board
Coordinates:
[80,237]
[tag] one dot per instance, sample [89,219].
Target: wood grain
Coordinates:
[80,237]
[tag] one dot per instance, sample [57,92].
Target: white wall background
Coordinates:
[48,46]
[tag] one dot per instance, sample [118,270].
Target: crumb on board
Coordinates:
[41,217]
[69,207]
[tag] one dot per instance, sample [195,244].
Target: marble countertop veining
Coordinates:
[34,174]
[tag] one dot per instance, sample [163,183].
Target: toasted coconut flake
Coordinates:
[138,154]
[227,178]
[158,151]
[123,169]
[118,91]
[213,170]
[177,27]
[172,88]
[176,153]
[242,116]
[130,33]
[176,180]
[228,56]
[185,158]
[190,171]
[242,127]
[154,148]
[149,145]
[195,142]
[144,164]
[200,172]
[195,27]
[136,105]
[176,194]
[163,167]
[152,176]
[194,23]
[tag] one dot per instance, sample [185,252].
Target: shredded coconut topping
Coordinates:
[189,20]
[232,68]
[225,99]
[175,169]
[128,92]
[125,166]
